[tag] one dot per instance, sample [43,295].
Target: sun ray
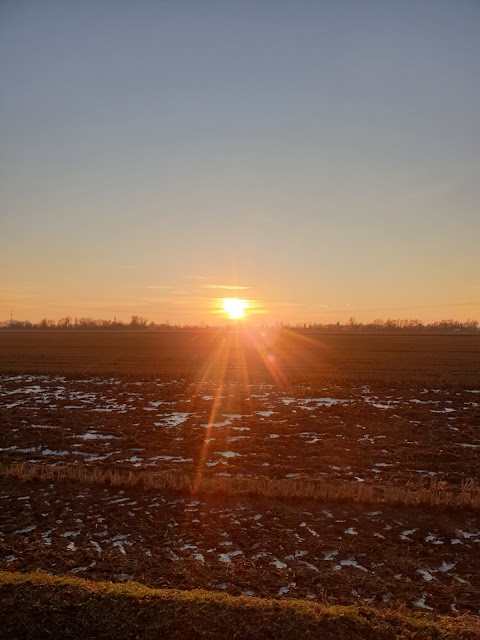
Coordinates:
[219,361]
[278,352]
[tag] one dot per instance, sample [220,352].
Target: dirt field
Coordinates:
[281,356]
[376,431]
[398,435]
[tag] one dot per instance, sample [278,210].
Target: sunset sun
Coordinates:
[234,307]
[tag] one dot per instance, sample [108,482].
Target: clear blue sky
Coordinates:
[326,155]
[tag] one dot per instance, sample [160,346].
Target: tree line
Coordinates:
[142,324]
[395,325]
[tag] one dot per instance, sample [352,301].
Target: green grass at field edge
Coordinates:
[38,605]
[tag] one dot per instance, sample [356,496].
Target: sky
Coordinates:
[318,159]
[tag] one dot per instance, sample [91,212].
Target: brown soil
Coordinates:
[283,356]
[398,435]
[332,553]
[328,552]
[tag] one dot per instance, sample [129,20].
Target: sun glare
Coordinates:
[234,307]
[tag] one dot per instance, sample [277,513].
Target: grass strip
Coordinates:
[39,606]
[436,495]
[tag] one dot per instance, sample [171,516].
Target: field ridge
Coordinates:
[38,605]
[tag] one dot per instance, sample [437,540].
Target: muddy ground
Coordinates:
[329,552]
[363,433]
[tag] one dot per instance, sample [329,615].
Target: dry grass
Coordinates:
[438,494]
[36,605]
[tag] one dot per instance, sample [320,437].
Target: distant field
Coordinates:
[281,356]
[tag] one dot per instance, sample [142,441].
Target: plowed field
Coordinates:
[251,424]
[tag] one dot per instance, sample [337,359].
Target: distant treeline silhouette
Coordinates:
[139,323]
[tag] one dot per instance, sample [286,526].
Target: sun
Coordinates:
[234,307]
